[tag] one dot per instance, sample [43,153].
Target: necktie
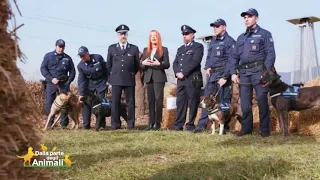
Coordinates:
[123,48]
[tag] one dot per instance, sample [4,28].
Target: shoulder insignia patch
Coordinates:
[270,39]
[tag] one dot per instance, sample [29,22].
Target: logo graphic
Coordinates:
[51,159]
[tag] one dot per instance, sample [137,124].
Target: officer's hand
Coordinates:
[146,62]
[55,81]
[208,71]
[80,99]
[155,63]
[235,78]
[179,75]
[222,81]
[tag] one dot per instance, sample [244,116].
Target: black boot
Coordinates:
[150,127]
[157,126]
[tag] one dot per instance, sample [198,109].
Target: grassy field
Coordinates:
[142,154]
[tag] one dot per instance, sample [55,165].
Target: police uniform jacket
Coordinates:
[253,47]
[156,73]
[55,65]
[188,61]
[123,65]
[92,75]
[220,48]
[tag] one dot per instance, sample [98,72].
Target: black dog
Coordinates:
[286,98]
[102,108]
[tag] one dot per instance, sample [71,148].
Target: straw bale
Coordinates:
[168,115]
[19,116]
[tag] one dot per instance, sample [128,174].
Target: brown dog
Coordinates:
[286,98]
[219,112]
[64,104]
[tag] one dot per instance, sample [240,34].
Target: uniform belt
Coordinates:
[251,65]
[217,69]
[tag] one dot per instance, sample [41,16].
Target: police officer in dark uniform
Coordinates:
[220,48]
[58,69]
[92,78]
[123,63]
[254,52]
[187,69]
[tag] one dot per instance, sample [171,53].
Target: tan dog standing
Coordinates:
[58,107]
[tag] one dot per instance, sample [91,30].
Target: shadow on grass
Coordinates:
[88,160]
[235,169]
[274,139]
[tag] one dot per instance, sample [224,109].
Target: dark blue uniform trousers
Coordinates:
[86,111]
[224,95]
[129,92]
[51,90]
[246,103]
[187,96]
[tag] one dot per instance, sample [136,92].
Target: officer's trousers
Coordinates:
[224,96]
[51,90]
[246,103]
[187,96]
[115,106]
[86,111]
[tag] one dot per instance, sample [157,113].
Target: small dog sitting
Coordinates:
[102,108]
[63,104]
[220,111]
[286,98]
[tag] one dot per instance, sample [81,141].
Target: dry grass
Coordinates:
[181,155]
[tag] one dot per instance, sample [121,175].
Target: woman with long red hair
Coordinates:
[154,61]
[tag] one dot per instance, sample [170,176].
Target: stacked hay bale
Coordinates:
[19,115]
[169,115]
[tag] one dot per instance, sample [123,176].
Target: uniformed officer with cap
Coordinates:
[123,63]
[220,48]
[254,52]
[92,78]
[58,69]
[187,69]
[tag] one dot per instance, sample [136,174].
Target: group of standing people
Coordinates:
[227,60]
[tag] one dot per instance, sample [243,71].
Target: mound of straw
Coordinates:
[305,122]
[19,115]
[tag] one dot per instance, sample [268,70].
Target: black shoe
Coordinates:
[86,127]
[150,127]
[242,133]
[176,129]
[264,134]
[198,130]
[157,126]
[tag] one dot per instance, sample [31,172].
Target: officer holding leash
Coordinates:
[254,52]
[123,62]
[58,69]
[187,69]
[220,49]
[92,78]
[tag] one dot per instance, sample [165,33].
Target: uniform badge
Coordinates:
[270,39]
[217,48]
[252,41]
[254,47]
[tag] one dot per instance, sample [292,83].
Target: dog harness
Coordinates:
[222,107]
[105,102]
[58,105]
[291,92]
